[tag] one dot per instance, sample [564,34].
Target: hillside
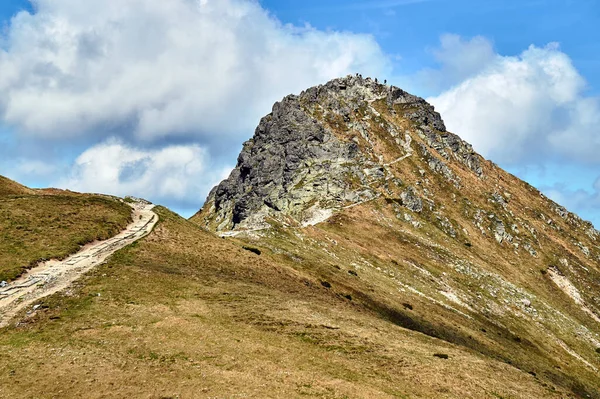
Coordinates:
[185,314]
[9,187]
[362,185]
[358,250]
[51,224]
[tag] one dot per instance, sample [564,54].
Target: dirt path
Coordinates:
[53,276]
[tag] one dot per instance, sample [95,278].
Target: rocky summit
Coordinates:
[360,184]
[330,147]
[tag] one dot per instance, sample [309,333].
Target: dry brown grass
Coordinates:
[364,305]
[184,313]
[9,187]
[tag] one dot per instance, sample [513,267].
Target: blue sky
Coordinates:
[137,97]
[410,28]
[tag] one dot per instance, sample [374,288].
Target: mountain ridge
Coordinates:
[287,115]
[276,139]
[355,156]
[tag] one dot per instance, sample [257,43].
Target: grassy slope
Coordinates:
[403,263]
[186,314]
[401,275]
[463,286]
[183,313]
[37,225]
[9,187]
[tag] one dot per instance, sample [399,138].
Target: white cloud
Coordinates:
[175,174]
[524,108]
[34,168]
[152,73]
[205,70]
[459,59]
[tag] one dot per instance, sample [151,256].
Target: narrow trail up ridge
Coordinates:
[53,276]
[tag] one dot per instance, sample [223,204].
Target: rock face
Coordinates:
[331,147]
[291,163]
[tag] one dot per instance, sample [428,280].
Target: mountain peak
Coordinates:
[362,177]
[333,146]
[356,90]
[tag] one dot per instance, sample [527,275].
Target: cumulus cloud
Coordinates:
[203,70]
[525,108]
[459,59]
[177,174]
[179,84]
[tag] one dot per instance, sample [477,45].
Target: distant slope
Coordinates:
[49,224]
[9,187]
[186,314]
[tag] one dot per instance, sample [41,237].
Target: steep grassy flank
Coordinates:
[416,280]
[35,227]
[183,313]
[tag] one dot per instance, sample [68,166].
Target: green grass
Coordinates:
[38,227]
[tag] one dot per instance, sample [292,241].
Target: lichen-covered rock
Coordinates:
[291,162]
[438,166]
[500,232]
[448,144]
[411,200]
[318,152]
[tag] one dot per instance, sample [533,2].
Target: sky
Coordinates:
[154,98]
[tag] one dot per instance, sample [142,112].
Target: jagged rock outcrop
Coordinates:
[291,163]
[330,147]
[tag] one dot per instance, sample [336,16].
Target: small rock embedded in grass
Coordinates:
[441,355]
[407,306]
[253,250]
[325,284]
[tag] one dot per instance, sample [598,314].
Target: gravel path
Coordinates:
[53,276]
